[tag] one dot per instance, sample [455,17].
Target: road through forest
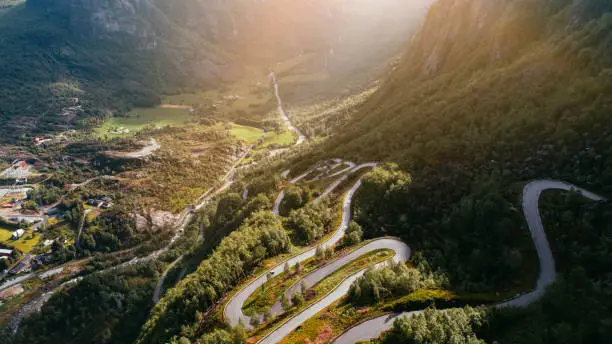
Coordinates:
[374,327]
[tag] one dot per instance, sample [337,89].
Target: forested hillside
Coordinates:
[488,94]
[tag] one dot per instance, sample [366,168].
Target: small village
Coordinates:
[25,245]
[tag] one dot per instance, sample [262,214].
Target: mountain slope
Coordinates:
[488,95]
[518,85]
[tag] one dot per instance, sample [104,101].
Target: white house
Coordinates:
[5,253]
[18,234]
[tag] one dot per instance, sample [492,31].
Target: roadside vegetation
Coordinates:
[271,291]
[259,237]
[307,296]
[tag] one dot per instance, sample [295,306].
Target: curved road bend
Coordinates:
[233,309]
[145,151]
[352,167]
[281,195]
[531,195]
[402,253]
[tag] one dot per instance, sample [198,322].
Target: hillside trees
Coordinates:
[393,280]
[227,206]
[103,308]
[118,229]
[474,113]
[260,236]
[353,234]
[450,326]
[295,197]
[477,242]
[310,223]
[576,308]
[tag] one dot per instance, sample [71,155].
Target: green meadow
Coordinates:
[139,118]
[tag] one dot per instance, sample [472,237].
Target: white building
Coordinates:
[18,234]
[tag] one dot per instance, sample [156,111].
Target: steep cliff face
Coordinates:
[482,79]
[473,34]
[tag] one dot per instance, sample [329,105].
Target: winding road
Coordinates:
[373,328]
[145,151]
[233,309]
[301,137]
[531,195]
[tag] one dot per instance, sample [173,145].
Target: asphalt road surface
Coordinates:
[233,309]
[373,328]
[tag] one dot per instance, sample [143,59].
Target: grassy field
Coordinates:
[250,98]
[249,135]
[141,117]
[5,234]
[25,244]
[282,139]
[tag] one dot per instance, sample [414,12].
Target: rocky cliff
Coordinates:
[473,33]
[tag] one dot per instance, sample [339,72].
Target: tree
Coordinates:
[298,268]
[285,302]
[254,321]
[303,287]
[30,205]
[353,234]
[286,268]
[319,253]
[216,337]
[395,279]
[267,315]
[295,197]
[450,326]
[310,223]
[240,334]
[298,299]
[328,253]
